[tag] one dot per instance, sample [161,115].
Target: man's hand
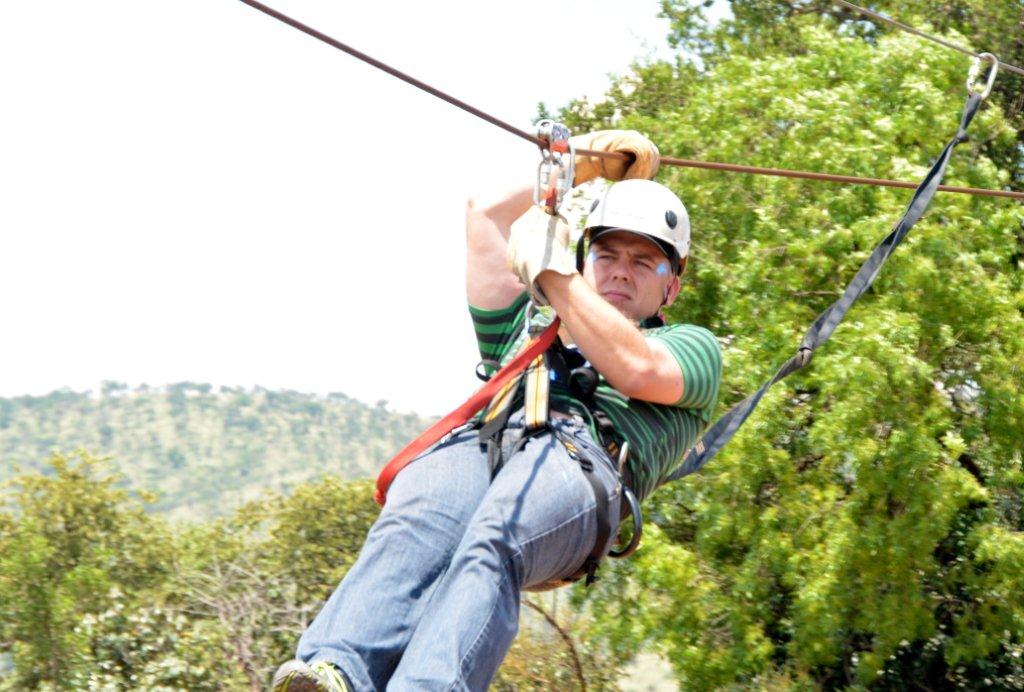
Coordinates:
[539,242]
[643,164]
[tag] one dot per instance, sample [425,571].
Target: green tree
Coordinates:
[863,527]
[71,545]
[759,27]
[317,532]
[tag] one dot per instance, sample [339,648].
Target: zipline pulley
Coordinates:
[972,76]
[557,154]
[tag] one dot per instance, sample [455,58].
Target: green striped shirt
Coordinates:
[659,435]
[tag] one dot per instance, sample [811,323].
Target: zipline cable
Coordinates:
[667,160]
[917,32]
[390,70]
[828,177]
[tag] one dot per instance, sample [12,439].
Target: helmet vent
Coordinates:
[593,205]
[671,219]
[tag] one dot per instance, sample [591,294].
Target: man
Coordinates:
[432,601]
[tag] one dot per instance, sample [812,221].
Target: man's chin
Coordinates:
[623,306]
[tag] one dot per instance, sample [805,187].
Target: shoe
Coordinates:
[320,676]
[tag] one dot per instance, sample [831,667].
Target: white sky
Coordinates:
[191,190]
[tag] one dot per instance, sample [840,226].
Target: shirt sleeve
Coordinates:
[700,360]
[497,330]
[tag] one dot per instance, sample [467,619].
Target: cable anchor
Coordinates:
[972,76]
[557,167]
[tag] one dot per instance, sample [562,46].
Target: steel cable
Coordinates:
[666,160]
[917,32]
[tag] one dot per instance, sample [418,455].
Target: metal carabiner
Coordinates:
[972,76]
[556,153]
[634,511]
[638,527]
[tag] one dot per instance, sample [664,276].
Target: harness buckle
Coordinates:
[558,158]
[803,356]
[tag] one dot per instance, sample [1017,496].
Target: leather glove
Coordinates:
[539,242]
[645,156]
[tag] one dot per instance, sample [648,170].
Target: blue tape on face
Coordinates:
[662,269]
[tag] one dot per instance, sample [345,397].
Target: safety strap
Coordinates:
[535,403]
[723,429]
[602,513]
[507,376]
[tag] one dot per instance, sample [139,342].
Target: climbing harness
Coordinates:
[542,358]
[581,379]
[467,410]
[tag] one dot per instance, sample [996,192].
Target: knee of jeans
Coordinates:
[489,546]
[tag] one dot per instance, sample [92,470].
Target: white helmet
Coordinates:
[647,208]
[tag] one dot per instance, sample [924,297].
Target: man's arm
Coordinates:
[490,284]
[637,367]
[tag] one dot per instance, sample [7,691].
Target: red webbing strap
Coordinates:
[463,413]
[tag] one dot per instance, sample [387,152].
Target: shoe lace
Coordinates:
[331,675]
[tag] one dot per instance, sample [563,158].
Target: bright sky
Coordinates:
[191,190]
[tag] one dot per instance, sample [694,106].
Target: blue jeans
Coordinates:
[432,603]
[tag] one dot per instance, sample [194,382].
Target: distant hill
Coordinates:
[205,451]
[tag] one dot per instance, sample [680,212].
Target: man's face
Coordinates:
[631,273]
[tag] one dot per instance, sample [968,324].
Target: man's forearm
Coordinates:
[489,283]
[612,344]
[499,213]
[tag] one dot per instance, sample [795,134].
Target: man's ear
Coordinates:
[671,291]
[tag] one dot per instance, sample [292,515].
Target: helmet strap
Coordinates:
[581,250]
[653,321]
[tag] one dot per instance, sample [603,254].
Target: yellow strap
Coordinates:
[502,399]
[536,394]
[536,400]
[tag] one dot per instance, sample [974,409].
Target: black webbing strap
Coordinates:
[725,427]
[602,511]
[604,528]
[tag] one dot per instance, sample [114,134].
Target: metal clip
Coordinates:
[638,526]
[556,153]
[623,453]
[972,76]
[803,356]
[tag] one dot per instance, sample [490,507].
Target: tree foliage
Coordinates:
[70,545]
[96,594]
[760,27]
[862,528]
